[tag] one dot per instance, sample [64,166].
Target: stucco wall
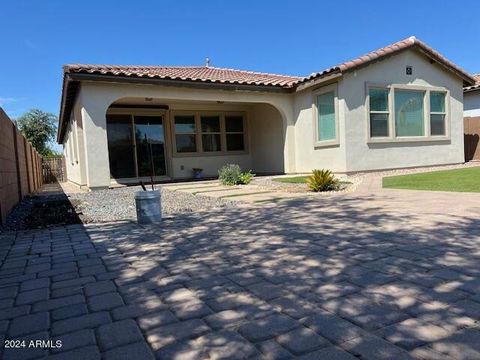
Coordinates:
[471,103]
[95,98]
[309,157]
[266,139]
[363,156]
[73,148]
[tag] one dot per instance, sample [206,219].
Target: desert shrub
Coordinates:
[246,177]
[322,180]
[231,174]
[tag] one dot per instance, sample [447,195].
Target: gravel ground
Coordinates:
[119,203]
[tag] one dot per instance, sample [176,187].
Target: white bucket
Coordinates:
[149,208]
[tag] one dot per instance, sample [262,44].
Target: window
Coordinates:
[185,134]
[409,113]
[215,132]
[437,114]
[210,133]
[234,133]
[326,122]
[379,114]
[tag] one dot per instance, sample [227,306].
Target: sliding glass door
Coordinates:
[136,146]
[150,144]
[121,146]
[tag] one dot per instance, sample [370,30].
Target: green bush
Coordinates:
[231,174]
[246,177]
[322,180]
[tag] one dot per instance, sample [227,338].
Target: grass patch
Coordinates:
[459,180]
[292,180]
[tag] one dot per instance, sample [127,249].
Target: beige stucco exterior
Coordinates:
[280,126]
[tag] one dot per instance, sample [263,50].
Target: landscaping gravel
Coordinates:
[119,203]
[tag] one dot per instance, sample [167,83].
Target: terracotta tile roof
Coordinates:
[207,74]
[476,86]
[189,73]
[411,42]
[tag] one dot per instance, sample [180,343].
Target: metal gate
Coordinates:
[53,170]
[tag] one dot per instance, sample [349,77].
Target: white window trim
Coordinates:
[198,134]
[392,138]
[325,143]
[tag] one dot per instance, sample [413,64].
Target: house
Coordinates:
[471,97]
[471,112]
[396,107]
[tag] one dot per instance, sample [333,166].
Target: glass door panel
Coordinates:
[150,144]
[120,146]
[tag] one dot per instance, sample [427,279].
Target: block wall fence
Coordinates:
[20,166]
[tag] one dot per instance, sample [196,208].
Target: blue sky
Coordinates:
[291,37]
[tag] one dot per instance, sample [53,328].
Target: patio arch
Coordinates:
[98,98]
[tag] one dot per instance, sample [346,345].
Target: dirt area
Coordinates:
[35,212]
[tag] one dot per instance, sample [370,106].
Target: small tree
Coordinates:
[39,128]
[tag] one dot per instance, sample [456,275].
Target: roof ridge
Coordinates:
[391,49]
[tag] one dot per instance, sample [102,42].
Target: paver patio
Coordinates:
[390,275]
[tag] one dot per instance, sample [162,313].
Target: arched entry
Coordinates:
[169,138]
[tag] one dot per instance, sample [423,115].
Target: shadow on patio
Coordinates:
[372,280]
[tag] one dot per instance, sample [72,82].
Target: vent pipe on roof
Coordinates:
[207,62]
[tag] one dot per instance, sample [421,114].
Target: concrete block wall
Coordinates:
[20,166]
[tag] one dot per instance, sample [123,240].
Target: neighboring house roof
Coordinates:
[474,87]
[206,75]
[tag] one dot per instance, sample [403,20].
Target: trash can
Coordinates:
[149,209]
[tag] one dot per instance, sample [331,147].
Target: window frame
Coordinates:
[393,138]
[388,112]
[317,143]
[198,135]
[445,113]
[219,115]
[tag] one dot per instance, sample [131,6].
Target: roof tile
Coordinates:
[192,73]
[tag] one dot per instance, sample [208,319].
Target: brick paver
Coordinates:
[395,274]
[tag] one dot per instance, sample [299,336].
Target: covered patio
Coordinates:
[123,129]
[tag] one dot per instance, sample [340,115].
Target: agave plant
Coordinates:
[322,180]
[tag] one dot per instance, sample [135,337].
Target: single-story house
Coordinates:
[471,112]
[396,107]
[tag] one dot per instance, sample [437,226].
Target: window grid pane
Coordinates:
[437,102]
[379,125]
[378,99]
[186,143]
[211,142]
[235,142]
[234,124]
[326,116]
[210,124]
[409,113]
[185,124]
[437,124]
[234,133]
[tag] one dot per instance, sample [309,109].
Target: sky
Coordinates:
[286,37]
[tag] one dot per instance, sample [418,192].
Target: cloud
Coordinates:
[8,100]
